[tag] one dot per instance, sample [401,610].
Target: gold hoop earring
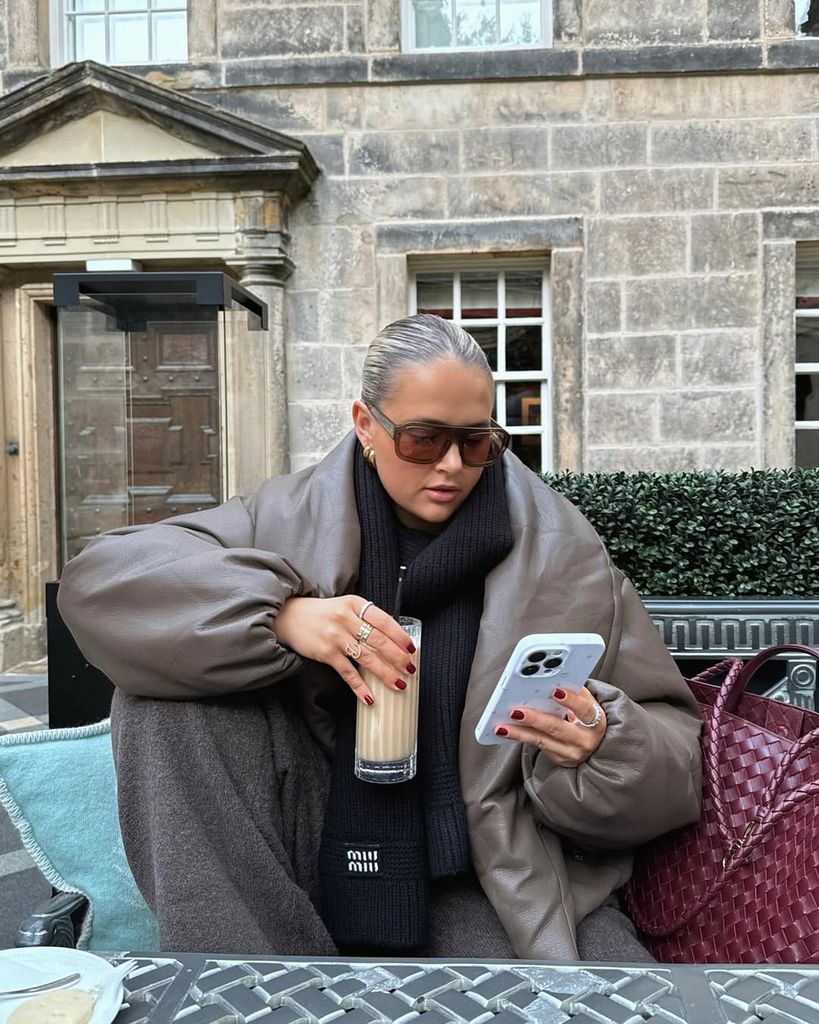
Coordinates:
[369,455]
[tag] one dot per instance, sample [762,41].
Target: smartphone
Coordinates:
[539,664]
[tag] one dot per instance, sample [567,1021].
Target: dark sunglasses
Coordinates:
[425,443]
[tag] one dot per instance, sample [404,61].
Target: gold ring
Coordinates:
[353,650]
[364,607]
[598,714]
[364,632]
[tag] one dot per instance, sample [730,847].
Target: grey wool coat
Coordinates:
[187,608]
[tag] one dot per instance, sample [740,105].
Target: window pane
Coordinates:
[807,341]
[169,5]
[434,294]
[807,396]
[520,22]
[128,5]
[432,23]
[479,295]
[91,6]
[487,338]
[524,293]
[170,36]
[89,39]
[807,287]
[527,448]
[523,404]
[476,23]
[807,449]
[129,39]
[524,348]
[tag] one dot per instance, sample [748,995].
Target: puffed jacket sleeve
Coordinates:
[182,609]
[645,777]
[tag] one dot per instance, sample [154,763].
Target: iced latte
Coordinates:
[386,734]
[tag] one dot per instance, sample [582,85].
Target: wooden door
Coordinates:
[141,422]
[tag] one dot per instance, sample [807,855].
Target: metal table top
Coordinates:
[194,989]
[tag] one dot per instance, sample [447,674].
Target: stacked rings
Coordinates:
[364,632]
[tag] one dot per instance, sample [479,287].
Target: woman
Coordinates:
[227,635]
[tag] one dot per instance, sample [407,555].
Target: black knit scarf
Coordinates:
[414,830]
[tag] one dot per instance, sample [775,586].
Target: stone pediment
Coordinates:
[90,122]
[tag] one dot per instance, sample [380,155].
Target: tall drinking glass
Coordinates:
[386,734]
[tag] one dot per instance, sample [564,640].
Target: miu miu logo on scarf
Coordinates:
[362,859]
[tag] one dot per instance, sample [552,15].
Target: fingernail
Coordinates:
[410,668]
[501,731]
[517,715]
[368,700]
[559,694]
[400,684]
[411,647]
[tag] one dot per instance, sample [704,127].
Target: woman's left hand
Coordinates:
[565,741]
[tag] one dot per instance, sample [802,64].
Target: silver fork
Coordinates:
[69,979]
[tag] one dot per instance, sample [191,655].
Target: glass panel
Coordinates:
[433,23]
[479,295]
[523,403]
[807,449]
[807,287]
[434,294]
[527,447]
[127,5]
[93,358]
[170,37]
[90,6]
[89,38]
[807,341]
[487,338]
[807,396]
[476,23]
[524,348]
[169,5]
[520,22]
[129,39]
[524,293]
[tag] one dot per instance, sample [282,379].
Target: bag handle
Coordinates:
[731,691]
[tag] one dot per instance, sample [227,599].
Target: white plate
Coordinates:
[37,965]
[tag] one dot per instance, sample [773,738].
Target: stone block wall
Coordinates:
[670,176]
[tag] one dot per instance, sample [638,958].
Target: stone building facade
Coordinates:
[655,166]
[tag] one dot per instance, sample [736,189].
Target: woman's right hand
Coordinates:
[322,628]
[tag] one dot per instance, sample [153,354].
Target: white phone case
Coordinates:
[539,664]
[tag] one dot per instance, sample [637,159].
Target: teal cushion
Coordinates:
[59,788]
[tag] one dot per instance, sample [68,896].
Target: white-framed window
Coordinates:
[475,24]
[119,31]
[505,305]
[806,419]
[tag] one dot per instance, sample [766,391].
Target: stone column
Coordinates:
[256,384]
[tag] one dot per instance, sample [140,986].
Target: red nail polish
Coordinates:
[368,700]
[410,648]
[400,684]
[500,731]
[559,694]
[517,715]
[410,668]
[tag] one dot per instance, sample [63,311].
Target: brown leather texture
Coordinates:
[742,885]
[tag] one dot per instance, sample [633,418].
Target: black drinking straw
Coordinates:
[397,609]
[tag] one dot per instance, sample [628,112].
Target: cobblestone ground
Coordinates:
[23,708]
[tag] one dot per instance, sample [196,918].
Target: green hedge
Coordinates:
[706,534]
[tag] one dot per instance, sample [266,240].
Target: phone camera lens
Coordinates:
[553,663]
[536,656]
[529,670]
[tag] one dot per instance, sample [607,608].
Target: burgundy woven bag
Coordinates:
[742,885]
